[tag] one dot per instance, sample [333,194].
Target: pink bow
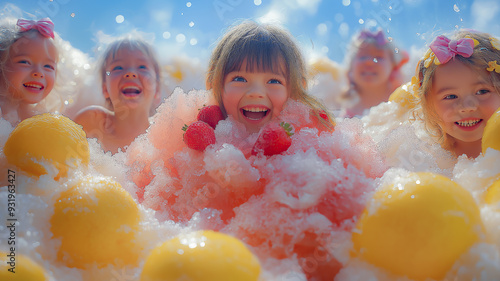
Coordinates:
[378,36]
[45,26]
[445,49]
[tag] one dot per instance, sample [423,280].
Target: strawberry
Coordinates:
[198,135]
[211,115]
[274,139]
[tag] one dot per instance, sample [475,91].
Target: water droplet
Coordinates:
[191,24]
[346,2]
[182,14]
[257,2]
[76,72]
[166,35]
[108,73]
[180,251]
[66,102]
[188,4]
[389,39]
[361,21]
[72,15]
[456,26]
[417,182]
[193,41]
[119,19]
[455,8]
[180,38]
[412,197]
[396,50]
[390,7]
[389,196]
[390,19]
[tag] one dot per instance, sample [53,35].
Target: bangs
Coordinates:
[261,55]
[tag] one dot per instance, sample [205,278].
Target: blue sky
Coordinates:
[322,27]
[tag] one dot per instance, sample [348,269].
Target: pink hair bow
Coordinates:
[45,26]
[378,36]
[444,49]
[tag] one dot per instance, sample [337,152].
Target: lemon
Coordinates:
[493,193]
[491,134]
[403,96]
[50,137]
[96,221]
[201,256]
[418,227]
[20,268]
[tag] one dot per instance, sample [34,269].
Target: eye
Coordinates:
[483,92]
[50,66]
[143,67]
[450,97]
[23,62]
[117,68]
[274,81]
[239,79]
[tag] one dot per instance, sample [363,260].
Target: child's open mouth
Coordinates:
[466,124]
[131,90]
[254,113]
[34,86]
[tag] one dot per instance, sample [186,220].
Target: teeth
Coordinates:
[255,109]
[469,123]
[134,88]
[30,85]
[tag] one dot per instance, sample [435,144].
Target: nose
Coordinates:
[37,73]
[256,91]
[130,74]
[469,104]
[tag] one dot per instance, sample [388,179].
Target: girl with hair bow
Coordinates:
[374,72]
[458,88]
[28,64]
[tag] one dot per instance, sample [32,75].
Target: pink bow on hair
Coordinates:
[444,49]
[378,36]
[45,26]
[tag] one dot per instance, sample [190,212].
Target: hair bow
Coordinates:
[45,26]
[378,36]
[493,66]
[444,49]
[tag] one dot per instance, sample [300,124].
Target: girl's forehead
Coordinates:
[34,44]
[276,65]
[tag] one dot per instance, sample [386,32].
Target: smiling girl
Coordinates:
[458,84]
[254,70]
[130,75]
[28,63]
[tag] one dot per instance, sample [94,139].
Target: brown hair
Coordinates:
[263,46]
[484,52]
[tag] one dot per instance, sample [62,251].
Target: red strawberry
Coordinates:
[274,139]
[198,135]
[211,115]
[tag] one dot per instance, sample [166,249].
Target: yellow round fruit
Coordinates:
[96,221]
[491,134]
[493,193]
[15,267]
[325,65]
[201,256]
[50,137]
[403,96]
[418,226]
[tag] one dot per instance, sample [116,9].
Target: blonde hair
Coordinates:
[132,45]
[355,45]
[483,53]
[264,46]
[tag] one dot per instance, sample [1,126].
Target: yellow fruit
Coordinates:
[96,221]
[51,137]
[493,193]
[403,96]
[418,226]
[324,65]
[24,268]
[201,256]
[491,134]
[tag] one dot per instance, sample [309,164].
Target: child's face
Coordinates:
[130,79]
[254,98]
[31,68]
[371,66]
[463,100]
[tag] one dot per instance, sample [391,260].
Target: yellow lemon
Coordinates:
[20,268]
[51,137]
[491,134]
[418,226]
[493,193]
[403,96]
[201,256]
[96,221]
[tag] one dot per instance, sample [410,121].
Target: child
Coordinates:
[28,64]
[254,70]
[458,84]
[130,75]
[373,72]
